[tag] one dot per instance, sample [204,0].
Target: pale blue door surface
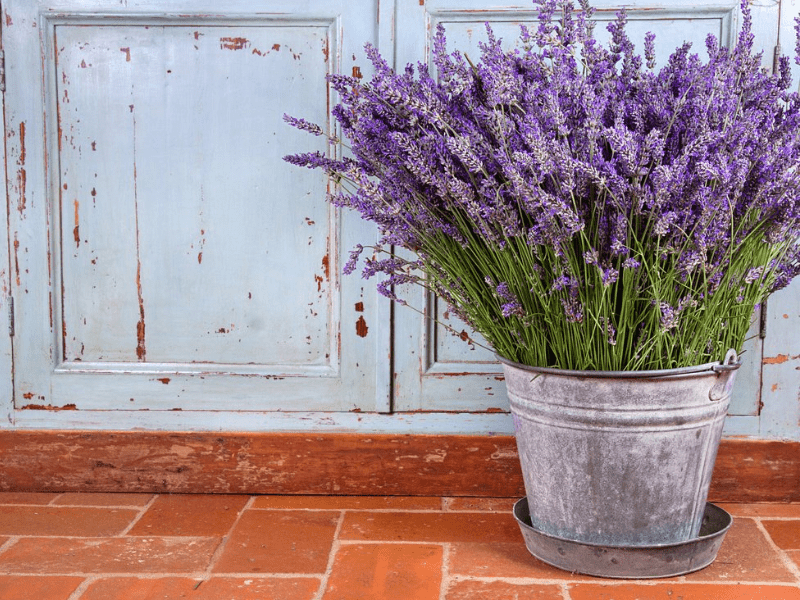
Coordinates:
[163,256]
[169,271]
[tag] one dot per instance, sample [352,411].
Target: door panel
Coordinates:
[201,198]
[436,370]
[165,256]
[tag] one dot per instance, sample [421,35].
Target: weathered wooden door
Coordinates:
[163,256]
[167,270]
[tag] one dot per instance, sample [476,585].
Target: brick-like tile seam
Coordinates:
[9,542]
[445,584]
[524,580]
[225,538]
[81,589]
[565,591]
[390,543]
[449,505]
[437,511]
[614,582]
[787,562]
[666,581]
[138,517]
[335,545]
[87,505]
[91,579]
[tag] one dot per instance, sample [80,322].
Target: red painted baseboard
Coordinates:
[302,463]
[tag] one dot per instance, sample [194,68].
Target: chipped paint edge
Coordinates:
[417,423]
[6,359]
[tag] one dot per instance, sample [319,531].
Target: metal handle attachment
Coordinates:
[726,371]
[729,363]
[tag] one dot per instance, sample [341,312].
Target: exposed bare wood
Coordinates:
[299,463]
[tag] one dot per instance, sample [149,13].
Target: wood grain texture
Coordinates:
[334,464]
[283,463]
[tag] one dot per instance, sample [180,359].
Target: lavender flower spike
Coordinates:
[579,205]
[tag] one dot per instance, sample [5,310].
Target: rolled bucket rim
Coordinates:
[731,362]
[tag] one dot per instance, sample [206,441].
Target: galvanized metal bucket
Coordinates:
[619,458]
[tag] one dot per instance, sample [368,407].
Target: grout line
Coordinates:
[79,591]
[104,537]
[215,557]
[445,584]
[766,518]
[138,517]
[9,543]
[609,583]
[612,583]
[196,575]
[784,558]
[323,584]
[565,591]
[437,511]
[352,542]
[243,575]
[29,505]
[754,515]
[68,506]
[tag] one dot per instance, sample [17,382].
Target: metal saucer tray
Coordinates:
[627,562]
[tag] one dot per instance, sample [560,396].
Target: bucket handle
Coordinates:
[729,363]
[725,370]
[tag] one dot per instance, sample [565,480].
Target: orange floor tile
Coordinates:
[171,547]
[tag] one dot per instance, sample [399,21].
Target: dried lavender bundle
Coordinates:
[577,207]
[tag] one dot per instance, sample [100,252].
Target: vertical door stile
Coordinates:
[387,31]
[6,294]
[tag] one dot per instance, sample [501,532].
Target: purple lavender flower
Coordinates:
[572,310]
[669,317]
[582,173]
[303,125]
[351,263]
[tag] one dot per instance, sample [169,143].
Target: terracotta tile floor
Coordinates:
[169,547]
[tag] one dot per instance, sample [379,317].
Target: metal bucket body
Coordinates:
[619,458]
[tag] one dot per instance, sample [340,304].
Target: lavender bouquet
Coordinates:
[577,207]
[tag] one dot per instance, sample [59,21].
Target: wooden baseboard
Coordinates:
[299,463]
